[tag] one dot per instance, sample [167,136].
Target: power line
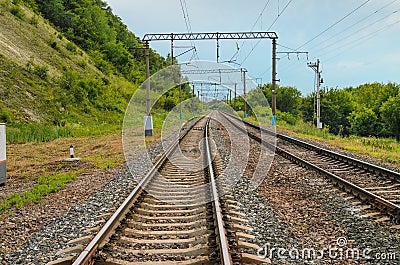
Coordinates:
[334,24]
[356,23]
[362,39]
[254,25]
[361,29]
[273,23]
[188,26]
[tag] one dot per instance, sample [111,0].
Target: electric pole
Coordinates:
[180,102]
[234,99]
[244,94]
[316,67]
[274,82]
[148,121]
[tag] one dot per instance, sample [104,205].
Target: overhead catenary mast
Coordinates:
[317,68]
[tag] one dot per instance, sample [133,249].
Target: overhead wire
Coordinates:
[283,46]
[279,14]
[273,23]
[188,27]
[359,30]
[354,24]
[333,25]
[363,38]
[254,25]
[353,34]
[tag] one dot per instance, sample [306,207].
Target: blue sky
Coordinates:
[364,45]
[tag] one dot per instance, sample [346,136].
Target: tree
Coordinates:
[364,122]
[336,106]
[287,98]
[390,112]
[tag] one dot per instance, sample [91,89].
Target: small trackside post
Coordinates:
[71,151]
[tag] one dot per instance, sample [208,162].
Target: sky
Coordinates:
[356,41]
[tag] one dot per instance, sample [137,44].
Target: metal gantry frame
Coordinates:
[200,92]
[207,36]
[225,71]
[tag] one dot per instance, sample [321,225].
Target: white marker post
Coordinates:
[148,126]
[72,157]
[3,158]
[71,152]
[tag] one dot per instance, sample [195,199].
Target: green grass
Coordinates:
[45,133]
[304,128]
[45,185]
[103,162]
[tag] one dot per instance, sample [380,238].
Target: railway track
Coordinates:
[375,185]
[175,214]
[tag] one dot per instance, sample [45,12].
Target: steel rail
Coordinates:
[350,160]
[107,230]
[226,258]
[379,202]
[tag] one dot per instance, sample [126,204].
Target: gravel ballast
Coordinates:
[74,222]
[293,208]
[297,209]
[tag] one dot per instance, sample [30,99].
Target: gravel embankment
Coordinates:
[67,218]
[295,208]
[342,151]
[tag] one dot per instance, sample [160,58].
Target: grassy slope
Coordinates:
[29,47]
[28,43]
[25,46]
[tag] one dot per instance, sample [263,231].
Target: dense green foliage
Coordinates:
[366,110]
[83,68]
[92,26]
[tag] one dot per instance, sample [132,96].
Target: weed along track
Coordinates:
[175,215]
[376,186]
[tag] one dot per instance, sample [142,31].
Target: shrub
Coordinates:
[34,21]
[82,64]
[71,47]
[286,116]
[5,116]
[18,12]
[41,71]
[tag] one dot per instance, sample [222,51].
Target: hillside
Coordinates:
[50,76]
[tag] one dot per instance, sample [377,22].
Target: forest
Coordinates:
[367,110]
[92,91]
